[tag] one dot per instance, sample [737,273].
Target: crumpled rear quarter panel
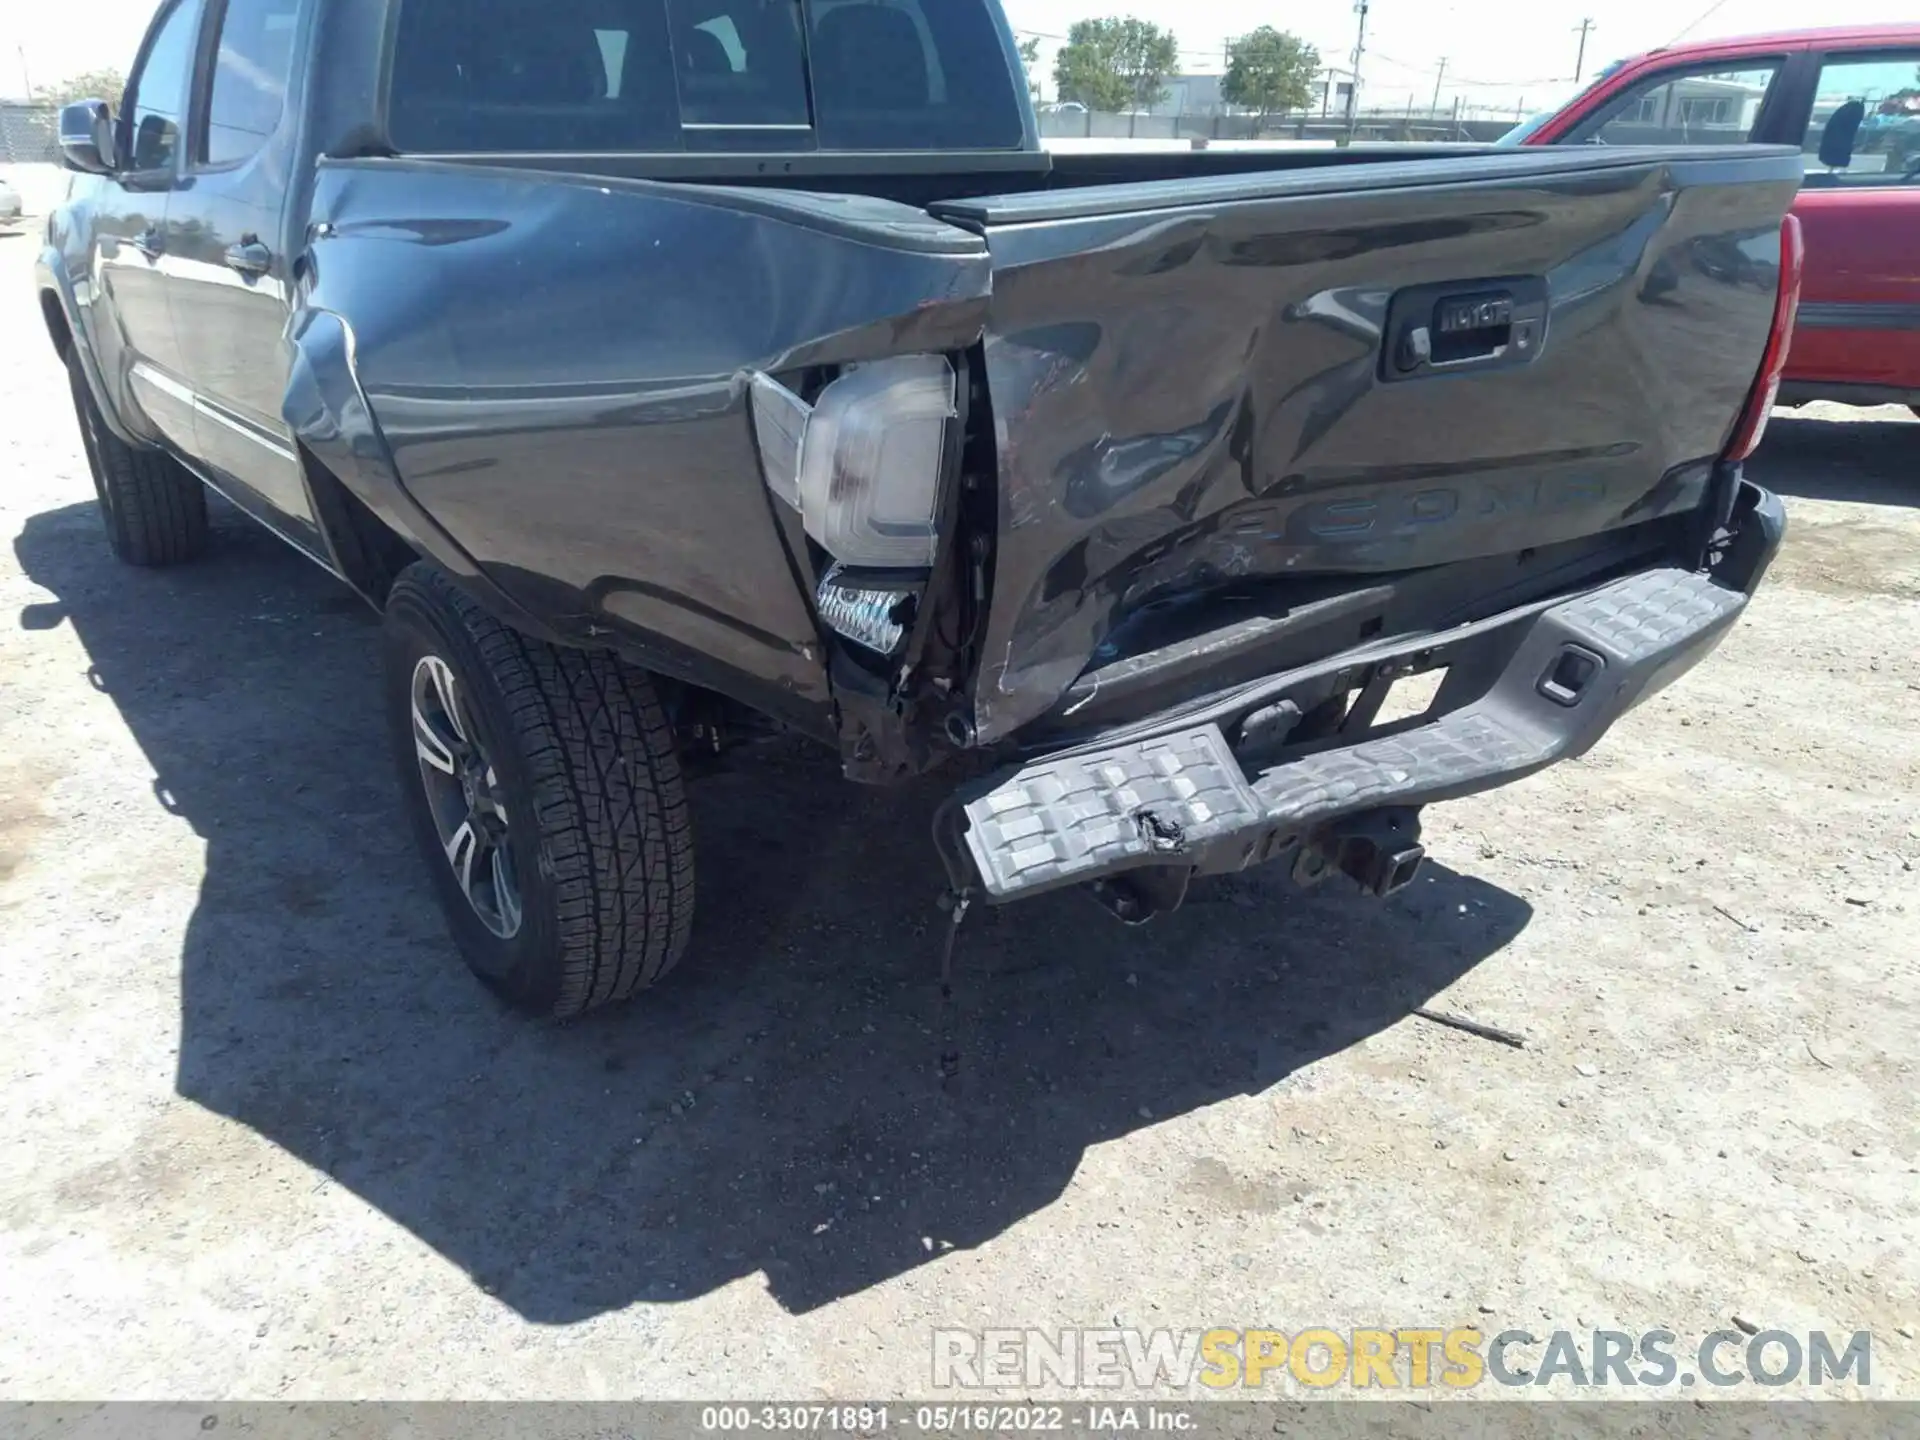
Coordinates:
[558,362]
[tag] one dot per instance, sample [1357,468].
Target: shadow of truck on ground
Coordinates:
[776,1106]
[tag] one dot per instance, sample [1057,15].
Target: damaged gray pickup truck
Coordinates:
[672,371]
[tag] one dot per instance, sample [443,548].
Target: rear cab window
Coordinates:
[531,76]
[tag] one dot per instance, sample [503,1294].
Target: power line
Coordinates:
[1415,69]
[1698,19]
[1407,65]
[1471,83]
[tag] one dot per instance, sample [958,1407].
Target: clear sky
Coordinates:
[1507,51]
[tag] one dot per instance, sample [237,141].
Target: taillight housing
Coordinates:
[864,464]
[1752,423]
[870,461]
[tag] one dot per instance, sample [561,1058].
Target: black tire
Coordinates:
[597,833]
[154,509]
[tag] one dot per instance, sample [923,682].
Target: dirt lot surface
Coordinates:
[261,1136]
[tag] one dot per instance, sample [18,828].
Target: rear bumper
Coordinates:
[1523,689]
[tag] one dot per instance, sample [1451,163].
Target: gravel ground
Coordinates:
[260,1136]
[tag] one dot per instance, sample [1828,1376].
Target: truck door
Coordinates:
[1859,330]
[229,276]
[133,331]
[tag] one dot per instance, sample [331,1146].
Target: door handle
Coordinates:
[149,243]
[250,257]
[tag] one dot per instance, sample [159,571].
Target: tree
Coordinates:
[1270,71]
[1030,57]
[104,85]
[1115,64]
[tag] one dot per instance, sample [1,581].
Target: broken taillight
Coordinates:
[864,465]
[1773,362]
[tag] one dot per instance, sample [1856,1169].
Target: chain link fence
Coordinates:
[1409,124]
[29,134]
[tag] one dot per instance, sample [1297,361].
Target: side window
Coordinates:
[250,75]
[1700,107]
[1865,127]
[157,95]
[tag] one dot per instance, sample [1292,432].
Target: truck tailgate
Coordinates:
[1213,386]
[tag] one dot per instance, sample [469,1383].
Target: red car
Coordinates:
[1849,98]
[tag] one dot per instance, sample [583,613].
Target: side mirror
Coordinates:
[87,141]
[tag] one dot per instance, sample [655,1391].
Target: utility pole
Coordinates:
[1580,59]
[25,78]
[1353,87]
[1434,108]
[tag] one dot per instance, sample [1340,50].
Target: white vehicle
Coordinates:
[9,202]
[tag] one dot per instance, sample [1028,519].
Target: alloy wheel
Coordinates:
[464,798]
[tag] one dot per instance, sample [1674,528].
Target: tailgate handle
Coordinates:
[1471,328]
[1436,329]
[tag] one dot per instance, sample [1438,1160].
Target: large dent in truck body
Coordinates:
[327,413]
[1188,398]
[557,365]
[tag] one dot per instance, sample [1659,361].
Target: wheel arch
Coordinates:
[55,316]
[367,552]
[373,527]
[61,316]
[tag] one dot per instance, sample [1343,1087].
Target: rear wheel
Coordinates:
[154,509]
[546,796]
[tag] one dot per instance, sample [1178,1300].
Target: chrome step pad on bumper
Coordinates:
[1182,798]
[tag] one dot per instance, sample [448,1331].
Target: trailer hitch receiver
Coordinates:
[1379,850]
